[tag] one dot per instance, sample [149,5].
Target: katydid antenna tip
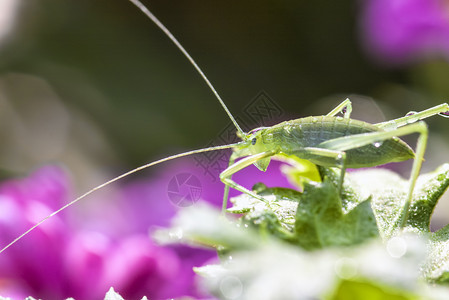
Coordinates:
[161,26]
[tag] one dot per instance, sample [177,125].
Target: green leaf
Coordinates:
[321,219]
[429,189]
[313,219]
[388,191]
[277,217]
[370,204]
[436,267]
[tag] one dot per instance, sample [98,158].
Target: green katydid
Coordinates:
[329,141]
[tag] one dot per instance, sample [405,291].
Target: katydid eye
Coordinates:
[253,141]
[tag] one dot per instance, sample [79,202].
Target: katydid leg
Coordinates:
[345,107]
[226,190]
[225,176]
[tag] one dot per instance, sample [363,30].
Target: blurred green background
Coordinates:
[122,94]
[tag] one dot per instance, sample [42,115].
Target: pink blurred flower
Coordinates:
[71,256]
[34,265]
[57,260]
[402,31]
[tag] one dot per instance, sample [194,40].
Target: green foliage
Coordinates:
[436,267]
[323,244]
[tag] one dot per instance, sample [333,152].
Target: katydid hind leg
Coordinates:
[345,107]
[412,117]
[360,140]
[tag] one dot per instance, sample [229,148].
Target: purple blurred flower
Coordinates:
[56,261]
[71,256]
[34,264]
[401,31]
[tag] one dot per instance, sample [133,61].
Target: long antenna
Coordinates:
[115,179]
[186,54]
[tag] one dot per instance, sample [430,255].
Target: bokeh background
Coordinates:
[95,87]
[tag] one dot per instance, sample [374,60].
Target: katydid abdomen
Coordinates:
[295,135]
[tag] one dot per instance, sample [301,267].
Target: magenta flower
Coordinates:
[34,264]
[402,31]
[71,256]
[57,260]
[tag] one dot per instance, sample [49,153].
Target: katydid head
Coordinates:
[253,143]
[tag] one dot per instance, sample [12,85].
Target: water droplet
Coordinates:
[377,144]
[410,118]
[396,247]
[246,226]
[314,120]
[340,119]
